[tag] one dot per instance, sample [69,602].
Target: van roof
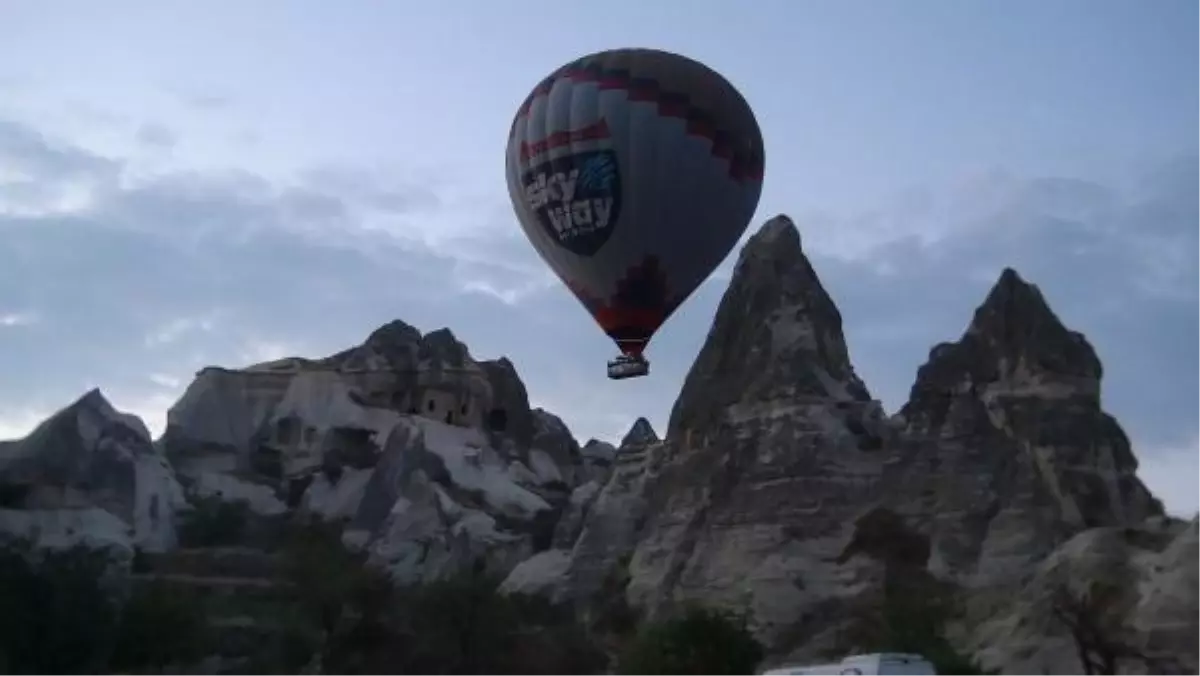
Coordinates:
[897,657]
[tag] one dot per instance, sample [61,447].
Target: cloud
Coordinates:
[150,407]
[173,330]
[156,136]
[208,101]
[374,189]
[40,176]
[1118,265]
[15,423]
[152,277]
[165,380]
[1112,265]
[164,274]
[1174,475]
[258,351]
[15,319]
[201,98]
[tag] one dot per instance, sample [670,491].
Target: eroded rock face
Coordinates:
[552,438]
[598,459]
[279,419]
[510,415]
[774,450]
[595,534]
[1138,585]
[1012,443]
[777,336]
[1168,608]
[440,501]
[781,489]
[778,464]
[433,461]
[610,521]
[642,433]
[86,459]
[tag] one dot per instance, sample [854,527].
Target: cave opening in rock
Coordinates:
[497,420]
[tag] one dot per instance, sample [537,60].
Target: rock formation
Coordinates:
[1011,442]
[89,472]
[774,449]
[1137,585]
[598,531]
[434,461]
[781,488]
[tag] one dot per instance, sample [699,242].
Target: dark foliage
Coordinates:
[55,617]
[912,619]
[213,522]
[160,628]
[460,625]
[700,641]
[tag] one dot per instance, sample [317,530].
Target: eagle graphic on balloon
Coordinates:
[598,173]
[634,173]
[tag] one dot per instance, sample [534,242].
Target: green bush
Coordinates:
[160,627]
[326,578]
[55,616]
[700,641]
[611,613]
[459,625]
[913,619]
[213,522]
[329,588]
[287,651]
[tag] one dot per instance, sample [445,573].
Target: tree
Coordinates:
[912,618]
[459,626]
[55,615]
[213,522]
[700,641]
[160,628]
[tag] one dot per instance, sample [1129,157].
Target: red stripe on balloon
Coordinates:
[739,169]
[630,326]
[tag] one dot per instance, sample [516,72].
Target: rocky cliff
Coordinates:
[89,473]
[781,487]
[433,461]
[784,490]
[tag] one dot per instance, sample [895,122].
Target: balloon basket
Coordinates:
[628,367]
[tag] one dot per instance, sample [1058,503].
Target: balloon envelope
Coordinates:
[634,172]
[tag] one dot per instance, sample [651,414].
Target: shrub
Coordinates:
[55,616]
[700,641]
[160,626]
[141,561]
[611,613]
[327,579]
[329,587]
[460,625]
[913,619]
[213,522]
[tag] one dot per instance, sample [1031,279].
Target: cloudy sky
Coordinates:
[225,182]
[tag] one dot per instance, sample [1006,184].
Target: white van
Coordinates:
[874,663]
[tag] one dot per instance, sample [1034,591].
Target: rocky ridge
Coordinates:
[781,489]
[785,491]
[431,460]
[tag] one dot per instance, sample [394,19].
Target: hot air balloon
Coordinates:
[634,172]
